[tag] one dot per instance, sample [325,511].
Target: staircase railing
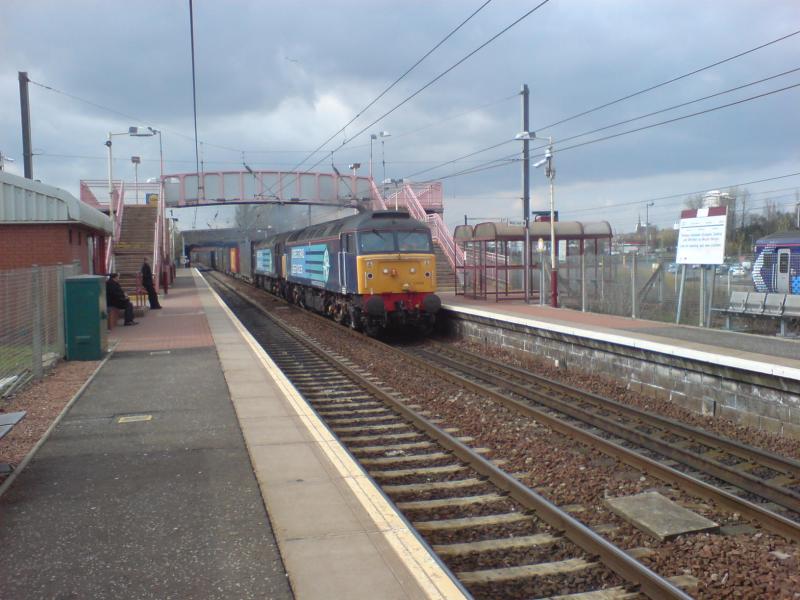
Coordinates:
[116,207]
[439,231]
[378,202]
[157,238]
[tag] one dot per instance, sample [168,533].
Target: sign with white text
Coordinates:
[701,238]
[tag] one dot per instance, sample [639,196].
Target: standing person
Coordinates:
[115,296]
[147,283]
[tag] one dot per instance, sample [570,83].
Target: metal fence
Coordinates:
[649,287]
[31,322]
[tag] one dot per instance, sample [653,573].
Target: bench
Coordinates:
[783,307]
[7,422]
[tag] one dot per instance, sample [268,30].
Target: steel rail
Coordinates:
[776,523]
[783,496]
[778,463]
[649,582]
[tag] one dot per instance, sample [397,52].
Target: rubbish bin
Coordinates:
[85,317]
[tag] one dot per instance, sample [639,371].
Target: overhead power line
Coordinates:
[681,118]
[432,81]
[394,83]
[683,195]
[669,81]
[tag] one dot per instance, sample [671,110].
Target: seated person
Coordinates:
[115,296]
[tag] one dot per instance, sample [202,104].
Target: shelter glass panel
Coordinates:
[172,191]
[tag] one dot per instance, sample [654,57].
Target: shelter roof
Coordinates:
[25,201]
[565,230]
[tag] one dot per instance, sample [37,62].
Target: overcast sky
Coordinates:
[276,78]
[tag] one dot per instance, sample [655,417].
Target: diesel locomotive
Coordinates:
[372,271]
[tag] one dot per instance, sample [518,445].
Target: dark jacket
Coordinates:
[147,275]
[115,295]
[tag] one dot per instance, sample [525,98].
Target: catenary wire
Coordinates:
[394,83]
[673,80]
[432,81]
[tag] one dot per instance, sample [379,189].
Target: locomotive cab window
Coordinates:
[414,241]
[376,241]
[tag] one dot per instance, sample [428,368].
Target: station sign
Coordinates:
[701,237]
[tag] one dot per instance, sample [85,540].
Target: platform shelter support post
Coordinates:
[583,277]
[680,295]
[711,295]
[633,286]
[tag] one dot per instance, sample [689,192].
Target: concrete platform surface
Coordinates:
[191,468]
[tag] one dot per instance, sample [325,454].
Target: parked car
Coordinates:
[737,271]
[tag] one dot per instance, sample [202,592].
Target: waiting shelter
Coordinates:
[494,259]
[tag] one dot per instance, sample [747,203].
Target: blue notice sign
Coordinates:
[311,262]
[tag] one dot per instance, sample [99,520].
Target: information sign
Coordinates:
[701,238]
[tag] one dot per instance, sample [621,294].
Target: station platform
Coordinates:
[189,467]
[752,379]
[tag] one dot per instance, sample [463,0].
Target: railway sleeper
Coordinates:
[395,473]
[392,448]
[527,571]
[471,522]
[460,501]
[526,541]
[432,486]
[390,460]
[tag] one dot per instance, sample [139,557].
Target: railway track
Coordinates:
[499,538]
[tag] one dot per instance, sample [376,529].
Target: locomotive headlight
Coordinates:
[427,262]
[412,270]
[369,264]
[385,271]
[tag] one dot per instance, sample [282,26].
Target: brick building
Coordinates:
[44,225]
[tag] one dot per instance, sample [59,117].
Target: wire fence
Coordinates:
[650,288]
[31,322]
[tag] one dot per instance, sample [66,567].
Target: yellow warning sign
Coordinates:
[151,199]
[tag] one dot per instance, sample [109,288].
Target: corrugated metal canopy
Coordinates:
[565,230]
[26,201]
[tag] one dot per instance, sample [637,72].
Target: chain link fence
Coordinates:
[649,287]
[31,322]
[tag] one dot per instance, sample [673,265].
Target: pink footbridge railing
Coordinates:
[414,201]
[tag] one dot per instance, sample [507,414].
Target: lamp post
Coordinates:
[383,135]
[550,173]
[396,182]
[647,226]
[136,160]
[372,138]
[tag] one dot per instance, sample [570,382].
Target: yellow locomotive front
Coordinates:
[396,276]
